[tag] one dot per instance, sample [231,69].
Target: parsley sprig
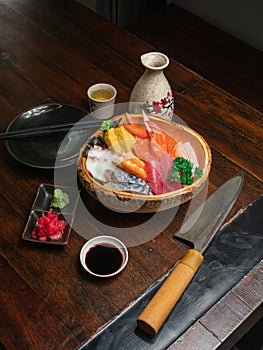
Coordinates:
[183,171]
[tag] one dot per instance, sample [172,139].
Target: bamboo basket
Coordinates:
[131,202]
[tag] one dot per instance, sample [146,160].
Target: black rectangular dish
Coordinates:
[42,204]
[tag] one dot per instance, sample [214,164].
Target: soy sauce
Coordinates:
[104,259]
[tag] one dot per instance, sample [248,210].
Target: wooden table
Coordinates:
[53,52]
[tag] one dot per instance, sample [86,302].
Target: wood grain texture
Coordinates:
[26,320]
[217,56]
[203,339]
[249,290]
[215,328]
[231,120]
[233,309]
[53,52]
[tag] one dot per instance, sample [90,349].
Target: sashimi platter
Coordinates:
[137,162]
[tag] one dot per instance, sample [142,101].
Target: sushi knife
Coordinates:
[199,229]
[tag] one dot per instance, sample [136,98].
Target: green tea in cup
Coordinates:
[102,94]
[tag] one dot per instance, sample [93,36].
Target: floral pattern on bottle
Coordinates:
[163,107]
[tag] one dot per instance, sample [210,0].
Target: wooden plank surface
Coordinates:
[242,303]
[53,52]
[25,319]
[217,56]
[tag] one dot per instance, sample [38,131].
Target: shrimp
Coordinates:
[156,134]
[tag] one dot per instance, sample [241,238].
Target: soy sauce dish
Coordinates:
[104,256]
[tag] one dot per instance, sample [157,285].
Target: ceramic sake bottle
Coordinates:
[152,91]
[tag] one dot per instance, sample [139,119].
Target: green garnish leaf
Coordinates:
[60,199]
[182,172]
[106,125]
[198,173]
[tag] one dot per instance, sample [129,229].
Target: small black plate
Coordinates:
[41,151]
[42,204]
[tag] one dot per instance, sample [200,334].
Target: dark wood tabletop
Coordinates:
[53,52]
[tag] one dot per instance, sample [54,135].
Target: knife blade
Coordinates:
[199,229]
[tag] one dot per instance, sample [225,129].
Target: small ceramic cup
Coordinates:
[104,256]
[101,100]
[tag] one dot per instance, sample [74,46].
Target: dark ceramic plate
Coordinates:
[42,204]
[41,151]
[32,222]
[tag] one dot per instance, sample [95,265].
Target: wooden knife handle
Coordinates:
[158,309]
